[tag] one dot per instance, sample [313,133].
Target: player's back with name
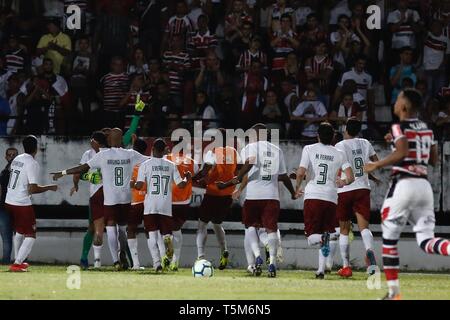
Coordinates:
[24,171]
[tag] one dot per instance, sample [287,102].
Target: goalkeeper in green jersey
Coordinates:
[94,177]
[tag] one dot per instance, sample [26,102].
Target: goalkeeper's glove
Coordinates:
[140,105]
[93,177]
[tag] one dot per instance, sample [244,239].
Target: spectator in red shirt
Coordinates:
[253,53]
[178,25]
[201,42]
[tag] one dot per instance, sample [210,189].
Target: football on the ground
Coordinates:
[202,268]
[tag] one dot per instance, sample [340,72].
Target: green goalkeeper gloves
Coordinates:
[93,177]
[140,105]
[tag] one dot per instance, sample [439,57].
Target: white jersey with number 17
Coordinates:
[358,152]
[323,163]
[24,171]
[158,174]
[116,165]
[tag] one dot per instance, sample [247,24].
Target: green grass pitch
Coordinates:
[49,282]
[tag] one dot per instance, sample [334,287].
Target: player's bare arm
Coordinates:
[236,180]
[35,188]
[350,177]
[185,181]
[75,170]
[434,156]
[203,172]
[301,173]
[237,193]
[288,184]
[401,151]
[76,180]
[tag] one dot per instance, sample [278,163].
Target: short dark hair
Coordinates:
[353,126]
[360,56]
[414,97]
[100,137]
[159,145]
[30,144]
[406,48]
[326,133]
[140,146]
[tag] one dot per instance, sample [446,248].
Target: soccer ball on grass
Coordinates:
[202,268]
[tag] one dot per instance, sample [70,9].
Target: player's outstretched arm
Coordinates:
[401,151]
[35,188]
[76,179]
[237,193]
[203,172]
[78,169]
[238,179]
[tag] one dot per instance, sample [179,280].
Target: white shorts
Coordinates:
[408,200]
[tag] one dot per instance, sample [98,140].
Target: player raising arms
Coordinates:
[322,162]
[410,196]
[181,197]
[136,213]
[158,174]
[23,183]
[116,165]
[264,163]
[354,199]
[220,165]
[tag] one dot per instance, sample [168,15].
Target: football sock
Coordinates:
[177,244]
[439,246]
[314,239]
[24,250]
[279,237]
[273,246]
[87,243]
[18,239]
[122,237]
[248,250]
[160,244]
[220,235]
[262,234]
[345,250]
[254,241]
[330,258]
[322,261]
[367,237]
[153,247]
[202,234]
[97,252]
[133,245]
[391,265]
[111,232]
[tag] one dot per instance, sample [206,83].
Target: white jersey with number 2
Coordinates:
[358,152]
[158,174]
[323,163]
[116,165]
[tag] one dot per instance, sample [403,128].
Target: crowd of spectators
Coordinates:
[230,63]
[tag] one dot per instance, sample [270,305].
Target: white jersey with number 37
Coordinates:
[358,152]
[116,165]
[158,174]
[24,171]
[323,163]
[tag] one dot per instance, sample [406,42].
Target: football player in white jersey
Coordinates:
[264,163]
[322,162]
[94,234]
[354,199]
[23,183]
[158,174]
[410,196]
[116,165]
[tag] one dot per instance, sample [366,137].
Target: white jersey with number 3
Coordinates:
[158,174]
[116,165]
[267,166]
[24,171]
[358,152]
[323,163]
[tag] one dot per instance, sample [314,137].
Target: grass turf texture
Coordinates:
[49,282]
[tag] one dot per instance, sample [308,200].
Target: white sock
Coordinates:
[393,286]
[177,244]
[314,239]
[153,247]
[322,261]
[367,239]
[262,234]
[18,239]
[220,235]
[254,241]
[111,232]
[248,250]
[133,245]
[97,252]
[202,234]
[330,258]
[273,246]
[279,236]
[24,250]
[345,250]
[122,238]
[161,245]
